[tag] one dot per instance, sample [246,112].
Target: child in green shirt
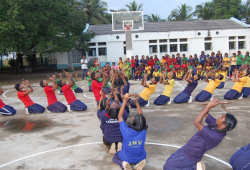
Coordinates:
[89,79]
[74,87]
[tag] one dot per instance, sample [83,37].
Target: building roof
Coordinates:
[174,26]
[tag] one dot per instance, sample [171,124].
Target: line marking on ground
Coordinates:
[94,143]
[88,97]
[179,84]
[84,86]
[8,97]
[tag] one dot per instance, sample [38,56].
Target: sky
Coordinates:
[160,7]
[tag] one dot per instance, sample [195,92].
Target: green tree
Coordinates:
[153,18]
[245,11]
[225,9]
[182,13]
[204,11]
[42,26]
[134,6]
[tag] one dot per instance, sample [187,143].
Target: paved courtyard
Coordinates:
[56,141]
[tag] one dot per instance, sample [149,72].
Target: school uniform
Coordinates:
[53,104]
[224,73]
[144,96]
[111,130]
[29,104]
[165,97]
[187,157]
[6,109]
[96,88]
[207,93]
[240,160]
[76,89]
[236,90]
[89,83]
[99,114]
[133,150]
[246,88]
[75,104]
[126,89]
[184,96]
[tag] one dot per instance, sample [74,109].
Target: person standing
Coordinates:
[233,63]
[203,58]
[133,62]
[239,59]
[226,63]
[84,64]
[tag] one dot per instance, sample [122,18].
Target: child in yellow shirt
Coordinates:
[156,73]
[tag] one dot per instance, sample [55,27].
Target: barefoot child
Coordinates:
[23,95]
[134,136]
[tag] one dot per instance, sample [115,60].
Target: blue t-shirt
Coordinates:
[111,128]
[203,58]
[241,159]
[190,87]
[126,89]
[190,60]
[178,59]
[143,61]
[137,63]
[99,113]
[133,150]
[202,141]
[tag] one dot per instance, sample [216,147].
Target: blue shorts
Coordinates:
[78,106]
[36,108]
[232,94]
[246,91]
[221,86]
[182,98]
[57,107]
[78,90]
[141,102]
[203,96]
[7,110]
[161,100]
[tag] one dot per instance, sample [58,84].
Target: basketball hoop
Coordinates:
[127,28]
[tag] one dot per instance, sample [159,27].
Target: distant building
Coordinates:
[159,38]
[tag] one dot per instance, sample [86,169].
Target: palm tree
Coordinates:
[133,6]
[245,11]
[95,10]
[204,11]
[153,18]
[182,13]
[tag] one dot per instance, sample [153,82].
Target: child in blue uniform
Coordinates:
[208,137]
[134,136]
[241,159]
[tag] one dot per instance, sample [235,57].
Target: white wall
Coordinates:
[114,51]
[140,48]
[197,48]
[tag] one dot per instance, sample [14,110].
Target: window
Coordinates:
[91,44]
[231,38]
[152,41]
[92,52]
[101,43]
[124,42]
[208,46]
[173,40]
[74,56]
[102,51]
[124,48]
[208,39]
[241,37]
[183,47]
[241,45]
[163,48]
[152,49]
[231,45]
[163,40]
[173,48]
[183,40]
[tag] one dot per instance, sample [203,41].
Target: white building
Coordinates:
[159,38]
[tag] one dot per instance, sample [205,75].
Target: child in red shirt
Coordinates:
[6,109]
[53,104]
[23,95]
[73,103]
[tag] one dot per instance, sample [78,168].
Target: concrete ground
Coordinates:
[56,141]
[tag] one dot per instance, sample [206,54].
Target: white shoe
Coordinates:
[126,165]
[211,98]
[147,105]
[140,165]
[68,107]
[112,149]
[240,97]
[27,111]
[169,103]
[119,146]
[190,99]
[48,111]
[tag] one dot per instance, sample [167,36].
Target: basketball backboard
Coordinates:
[128,20]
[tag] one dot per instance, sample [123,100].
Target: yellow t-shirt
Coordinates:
[148,68]
[247,84]
[156,73]
[199,67]
[224,73]
[233,62]
[168,88]
[120,63]
[212,85]
[208,67]
[148,91]
[180,74]
[239,85]
[224,60]
[163,61]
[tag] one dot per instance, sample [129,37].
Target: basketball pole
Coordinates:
[129,47]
